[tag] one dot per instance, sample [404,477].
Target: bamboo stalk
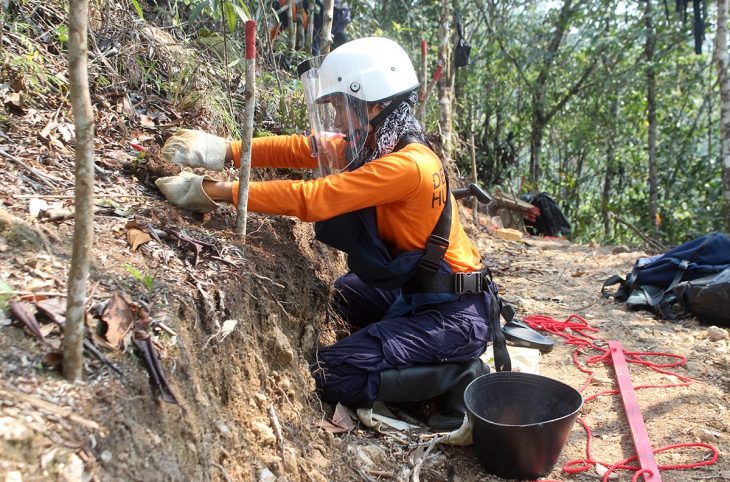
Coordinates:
[244,173]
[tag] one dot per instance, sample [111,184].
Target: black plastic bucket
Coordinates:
[520,422]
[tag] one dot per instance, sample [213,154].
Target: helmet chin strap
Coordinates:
[394,103]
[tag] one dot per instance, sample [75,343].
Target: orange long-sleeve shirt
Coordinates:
[406,187]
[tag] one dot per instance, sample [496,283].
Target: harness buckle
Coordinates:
[436,247]
[468,283]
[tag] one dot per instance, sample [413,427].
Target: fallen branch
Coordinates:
[647,239]
[65,412]
[277,428]
[71,196]
[415,475]
[44,178]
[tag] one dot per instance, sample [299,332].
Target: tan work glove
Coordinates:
[195,149]
[186,191]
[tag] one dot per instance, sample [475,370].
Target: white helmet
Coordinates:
[352,76]
[371,69]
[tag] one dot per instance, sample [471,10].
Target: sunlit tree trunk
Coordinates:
[292,26]
[611,167]
[73,333]
[541,114]
[723,64]
[649,50]
[325,35]
[310,27]
[445,90]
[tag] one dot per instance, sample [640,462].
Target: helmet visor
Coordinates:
[338,121]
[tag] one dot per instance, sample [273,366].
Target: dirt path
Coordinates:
[234,390]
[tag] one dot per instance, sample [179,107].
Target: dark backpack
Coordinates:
[462,48]
[707,298]
[551,221]
[670,283]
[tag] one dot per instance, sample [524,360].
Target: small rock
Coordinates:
[724,361]
[191,446]
[13,476]
[223,429]
[265,475]
[73,470]
[289,461]
[715,333]
[14,430]
[509,234]
[720,350]
[363,459]
[260,398]
[264,433]
[279,348]
[106,456]
[374,452]
[709,436]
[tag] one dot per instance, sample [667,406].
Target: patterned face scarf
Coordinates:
[399,123]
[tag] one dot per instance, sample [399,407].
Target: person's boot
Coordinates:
[423,382]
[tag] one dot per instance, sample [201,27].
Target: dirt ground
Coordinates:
[247,410]
[236,325]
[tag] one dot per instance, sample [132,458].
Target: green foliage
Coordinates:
[61,32]
[147,281]
[598,132]
[6,292]
[230,11]
[138,9]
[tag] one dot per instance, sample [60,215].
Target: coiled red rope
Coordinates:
[577,332]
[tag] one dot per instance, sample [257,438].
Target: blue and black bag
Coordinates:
[670,284]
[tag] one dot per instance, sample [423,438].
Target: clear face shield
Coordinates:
[338,119]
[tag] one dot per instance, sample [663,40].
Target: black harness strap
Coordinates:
[429,280]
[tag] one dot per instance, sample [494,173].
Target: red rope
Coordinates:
[576,331]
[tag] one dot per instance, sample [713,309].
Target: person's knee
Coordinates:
[340,382]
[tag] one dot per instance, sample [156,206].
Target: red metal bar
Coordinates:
[642,444]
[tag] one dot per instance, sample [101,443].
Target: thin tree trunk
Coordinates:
[445,82]
[475,206]
[292,27]
[424,76]
[301,28]
[73,332]
[325,35]
[536,133]
[723,65]
[310,28]
[649,49]
[610,163]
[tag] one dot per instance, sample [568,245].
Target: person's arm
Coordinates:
[275,151]
[386,180]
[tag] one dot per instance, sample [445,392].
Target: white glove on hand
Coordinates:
[195,149]
[186,191]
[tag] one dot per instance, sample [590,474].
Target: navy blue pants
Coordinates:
[348,372]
